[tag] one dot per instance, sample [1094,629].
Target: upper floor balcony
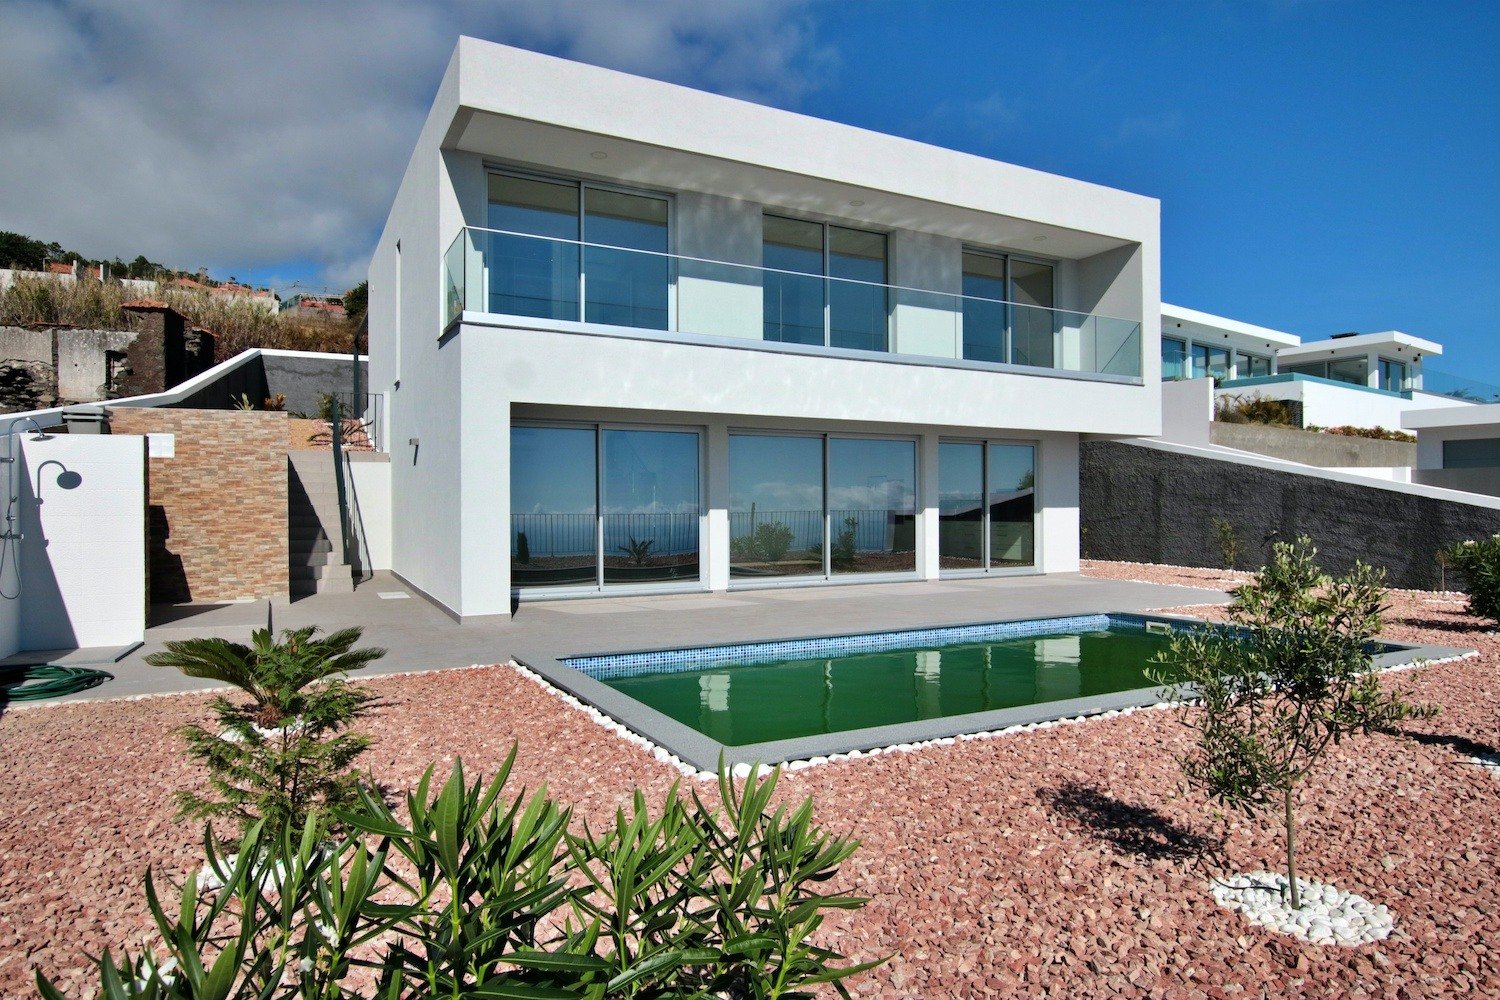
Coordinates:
[820,290]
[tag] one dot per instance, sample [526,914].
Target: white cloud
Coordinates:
[255,138]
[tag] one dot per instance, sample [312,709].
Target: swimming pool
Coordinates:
[804,698]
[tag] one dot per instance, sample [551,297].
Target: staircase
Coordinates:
[315,541]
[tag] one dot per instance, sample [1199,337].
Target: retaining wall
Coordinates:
[1312,447]
[1158,503]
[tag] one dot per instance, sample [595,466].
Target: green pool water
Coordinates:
[740,704]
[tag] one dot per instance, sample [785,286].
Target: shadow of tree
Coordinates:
[1459,744]
[1468,625]
[1129,829]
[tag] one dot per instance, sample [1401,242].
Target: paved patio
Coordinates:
[420,637]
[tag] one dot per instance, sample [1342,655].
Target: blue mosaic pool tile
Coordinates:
[616,665]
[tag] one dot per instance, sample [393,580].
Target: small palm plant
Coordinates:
[638,551]
[286,753]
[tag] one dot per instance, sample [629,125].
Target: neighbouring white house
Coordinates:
[1351,379]
[640,338]
[1458,448]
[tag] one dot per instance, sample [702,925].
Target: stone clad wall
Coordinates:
[218,507]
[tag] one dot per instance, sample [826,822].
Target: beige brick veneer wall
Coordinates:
[218,507]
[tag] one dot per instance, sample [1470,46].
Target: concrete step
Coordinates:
[342,585]
[298,560]
[324,571]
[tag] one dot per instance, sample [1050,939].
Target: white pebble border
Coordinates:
[1328,915]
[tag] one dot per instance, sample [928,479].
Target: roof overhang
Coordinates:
[1206,328]
[1392,342]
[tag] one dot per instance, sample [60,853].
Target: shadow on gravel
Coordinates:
[1459,744]
[1130,829]
[1443,624]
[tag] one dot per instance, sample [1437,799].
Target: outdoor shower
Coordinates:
[10,531]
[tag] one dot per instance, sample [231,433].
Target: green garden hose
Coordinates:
[47,681]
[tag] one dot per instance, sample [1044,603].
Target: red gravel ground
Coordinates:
[1055,863]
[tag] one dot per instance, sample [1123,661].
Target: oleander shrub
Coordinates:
[1372,433]
[1478,562]
[481,893]
[1284,679]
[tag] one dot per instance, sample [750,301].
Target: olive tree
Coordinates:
[1287,677]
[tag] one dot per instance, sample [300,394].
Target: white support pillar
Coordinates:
[1057,485]
[716,515]
[928,507]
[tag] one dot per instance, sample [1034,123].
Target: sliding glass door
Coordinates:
[597,506]
[987,505]
[540,266]
[817,506]
[1008,312]
[824,285]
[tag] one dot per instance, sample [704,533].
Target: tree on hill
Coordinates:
[356,300]
[26,253]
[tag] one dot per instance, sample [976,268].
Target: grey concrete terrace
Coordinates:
[420,637]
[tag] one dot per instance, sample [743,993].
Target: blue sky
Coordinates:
[1322,166]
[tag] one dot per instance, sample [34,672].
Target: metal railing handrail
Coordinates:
[796,274]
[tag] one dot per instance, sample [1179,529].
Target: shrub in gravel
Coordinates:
[286,754]
[1479,562]
[485,894]
[1285,678]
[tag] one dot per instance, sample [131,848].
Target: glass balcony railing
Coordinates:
[1441,383]
[515,274]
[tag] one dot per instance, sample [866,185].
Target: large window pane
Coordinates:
[984,307]
[552,523]
[961,505]
[1033,323]
[1392,375]
[1173,359]
[624,287]
[1210,361]
[872,498]
[651,506]
[1012,505]
[793,302]
[1355,371]
[1252,365]
[858,314]
[775,505]
[530,276]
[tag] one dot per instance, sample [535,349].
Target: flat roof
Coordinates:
[1361,343]
[1196,322]
[1477,415]
[636,130]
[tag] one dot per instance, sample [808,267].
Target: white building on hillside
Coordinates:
[636,337]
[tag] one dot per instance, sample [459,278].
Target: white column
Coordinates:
[928,502]
[715,553]
[1057,483]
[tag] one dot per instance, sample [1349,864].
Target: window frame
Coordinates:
[1006,257]
[825,225]
[989,569]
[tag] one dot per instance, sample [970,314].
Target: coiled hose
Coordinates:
[47,681]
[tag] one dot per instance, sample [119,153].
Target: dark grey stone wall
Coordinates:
[1144,505]
[305,380]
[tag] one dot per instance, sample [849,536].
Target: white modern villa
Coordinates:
[1349,379]
[640,338]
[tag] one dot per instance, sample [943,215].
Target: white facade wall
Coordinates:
[83,558]
[1331,405]
[453,394]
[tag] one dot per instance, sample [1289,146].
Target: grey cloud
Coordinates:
[245,136]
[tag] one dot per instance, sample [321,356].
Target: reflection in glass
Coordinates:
[532,277]
[984,321]
[625,288]
[553,528]
[1392,375]
[857,313]
[872,505]
[793,302]
[961,505]
[1252,366]
[1033,323]
[1012,505]
[775,505]
[650,498]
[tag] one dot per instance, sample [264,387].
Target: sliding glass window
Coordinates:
[824,285]
[553,527]
[804,505]
[776,521]
[1392,375]
[1008,309]
[1210,361]
[538,265]
[1251,365]
[1174,359]
[872,497]
[596,506]
[987,505]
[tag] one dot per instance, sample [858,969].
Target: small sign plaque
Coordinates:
[161,445]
